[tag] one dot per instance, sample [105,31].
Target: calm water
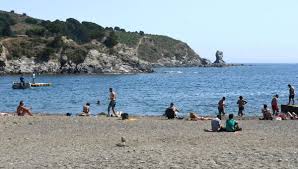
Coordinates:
[192,89]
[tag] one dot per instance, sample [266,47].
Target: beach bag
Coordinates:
[170,113]
[124,116]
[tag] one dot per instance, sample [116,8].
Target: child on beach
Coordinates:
[241,102]
[22,110]
[274,105]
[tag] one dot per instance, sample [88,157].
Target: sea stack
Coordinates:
[219,58]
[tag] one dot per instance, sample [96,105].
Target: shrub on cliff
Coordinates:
[111,40]
[36,32]
[56,43]
[44,56]
[31,21]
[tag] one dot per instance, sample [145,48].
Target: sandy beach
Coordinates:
[151,142]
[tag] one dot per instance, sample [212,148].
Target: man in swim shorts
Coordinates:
[241,102]
[112,103]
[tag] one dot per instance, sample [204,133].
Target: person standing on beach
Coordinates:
[112,103]
[221,106]
[291,94]
[274,105]
[241,102]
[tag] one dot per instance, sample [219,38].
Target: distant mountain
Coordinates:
[28,44]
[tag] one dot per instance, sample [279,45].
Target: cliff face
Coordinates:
[32,45]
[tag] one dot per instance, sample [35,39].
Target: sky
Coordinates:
[247,31]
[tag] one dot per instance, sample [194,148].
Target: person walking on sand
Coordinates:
[112,103]
[274,105]
[291,94]
[221,106]
[241,102]
[22,110]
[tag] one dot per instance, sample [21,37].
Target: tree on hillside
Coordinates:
[111,40]
[117,28]
[5,28]
[94,31]
[76,31]
[141,33]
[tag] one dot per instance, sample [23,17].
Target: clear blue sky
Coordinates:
[248,31]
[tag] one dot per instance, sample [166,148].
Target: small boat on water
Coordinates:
[18,85]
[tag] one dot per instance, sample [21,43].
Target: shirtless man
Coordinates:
[86,110]
[291,94]
[241,104]
[221,106]
[22,110]
[112,103]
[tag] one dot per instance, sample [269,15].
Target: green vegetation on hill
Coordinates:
[14,24]
[44,40]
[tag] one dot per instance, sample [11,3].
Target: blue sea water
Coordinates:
[191,89]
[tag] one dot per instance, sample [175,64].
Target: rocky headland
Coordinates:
[32,45]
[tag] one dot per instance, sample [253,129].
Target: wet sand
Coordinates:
[151,142]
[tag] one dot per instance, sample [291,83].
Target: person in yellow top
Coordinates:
[112,103]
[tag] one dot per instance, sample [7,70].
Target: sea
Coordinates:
[191,89]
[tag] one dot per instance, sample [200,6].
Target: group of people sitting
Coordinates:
[267,115]
[231,124]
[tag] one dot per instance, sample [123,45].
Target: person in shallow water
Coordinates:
[86,110]
[221,106]
[22,110]
[232,125]
[241,102]
[112,103]
[291,94]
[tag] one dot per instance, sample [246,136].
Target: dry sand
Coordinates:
[91,142]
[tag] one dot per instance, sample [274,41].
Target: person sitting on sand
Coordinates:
[171,112]
[274,105]
[232,125]
[241,102]
[266,113]
[195,117]
[86,110]
[216,124]
[22,110]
